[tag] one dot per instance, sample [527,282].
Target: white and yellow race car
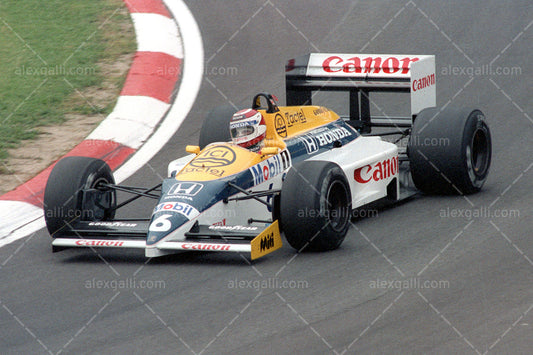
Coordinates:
[315,169]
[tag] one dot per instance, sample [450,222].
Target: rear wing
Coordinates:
[360,74]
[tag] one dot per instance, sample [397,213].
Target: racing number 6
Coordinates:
[161,224]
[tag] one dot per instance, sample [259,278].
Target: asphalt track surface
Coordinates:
[479,297]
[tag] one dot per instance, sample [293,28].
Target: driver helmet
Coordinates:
[248,129]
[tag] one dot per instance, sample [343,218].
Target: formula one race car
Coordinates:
[314,170]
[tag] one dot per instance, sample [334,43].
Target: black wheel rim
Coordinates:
[100,206]
[337,206]
[479,156]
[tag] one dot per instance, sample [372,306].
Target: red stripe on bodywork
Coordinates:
[33,190]
[152,74]
[147,6]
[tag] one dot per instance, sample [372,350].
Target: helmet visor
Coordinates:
[238,132]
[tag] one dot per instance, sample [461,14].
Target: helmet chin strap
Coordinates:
[256,148]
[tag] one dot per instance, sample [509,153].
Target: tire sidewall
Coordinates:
[333,176]
[305,214]
[63,198]
[447,168]
[476,122]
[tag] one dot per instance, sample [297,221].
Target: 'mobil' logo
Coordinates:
[214,157]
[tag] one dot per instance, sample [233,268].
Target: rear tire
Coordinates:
[450,151]
[315,206]
[216,126]
[64,201]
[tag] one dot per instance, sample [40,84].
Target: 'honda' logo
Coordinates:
[310,142]
[185,188]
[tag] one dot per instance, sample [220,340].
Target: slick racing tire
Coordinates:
[450,151]
[315,206]
[216,126]
[72,193]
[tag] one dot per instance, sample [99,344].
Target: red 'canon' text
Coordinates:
[379,171]
[356,65]
[423,82]
[99,243]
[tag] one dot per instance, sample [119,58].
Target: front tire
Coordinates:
[315,206]
[450,151]
[72,193]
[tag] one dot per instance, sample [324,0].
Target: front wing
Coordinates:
[118,234]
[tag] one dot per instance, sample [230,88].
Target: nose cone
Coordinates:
[167,218]
[218,161]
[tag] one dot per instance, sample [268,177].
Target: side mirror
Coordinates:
[194,149]
[269,151]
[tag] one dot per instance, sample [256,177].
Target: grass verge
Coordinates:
[51,54]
